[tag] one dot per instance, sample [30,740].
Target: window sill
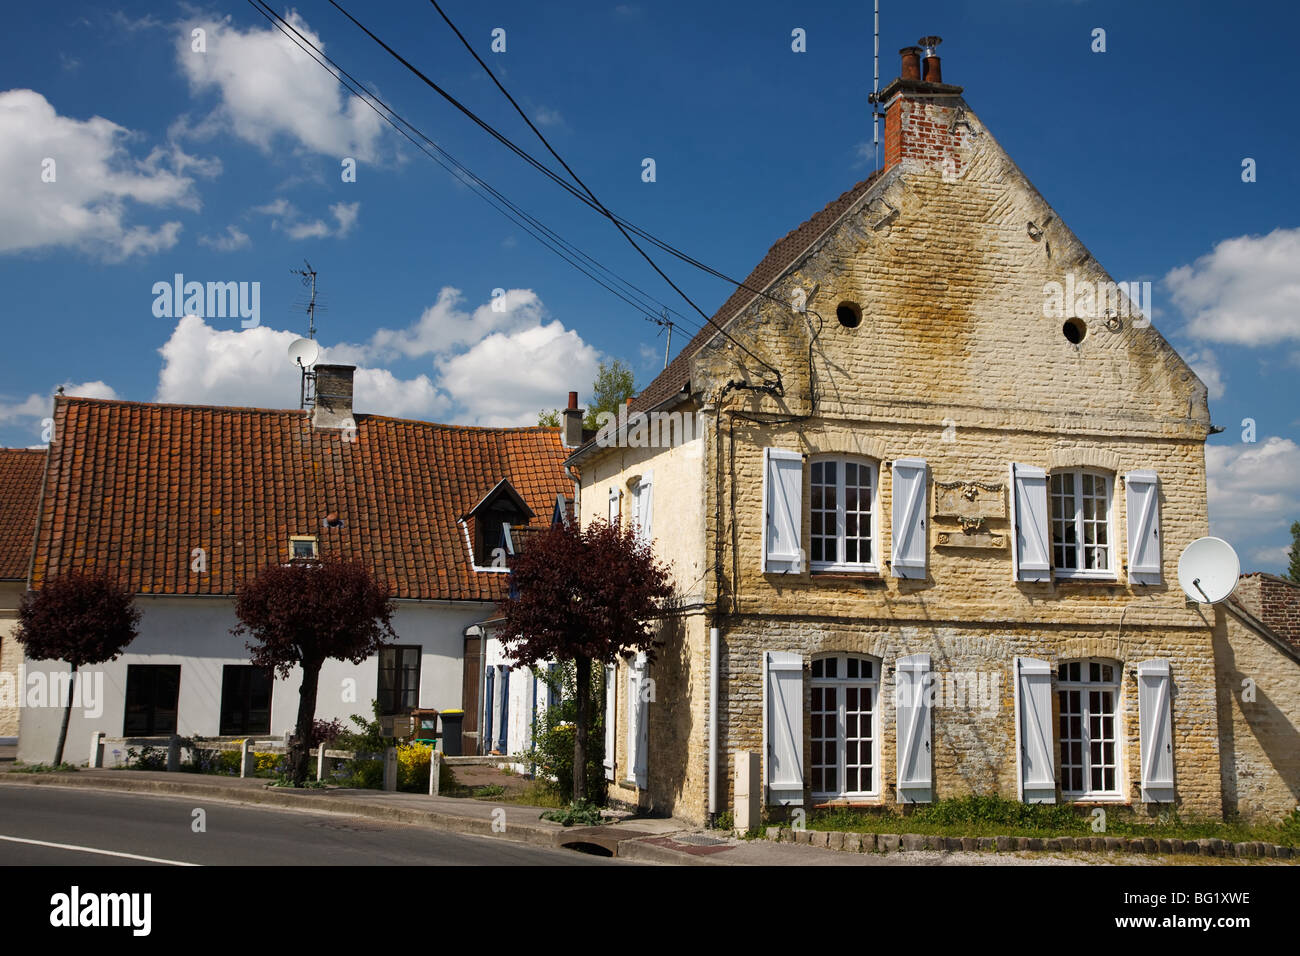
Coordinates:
[834,574]
[1094,582]
[1080,800]
[829,803]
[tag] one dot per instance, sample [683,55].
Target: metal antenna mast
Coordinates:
[307,393]
[874,98]
[665,323]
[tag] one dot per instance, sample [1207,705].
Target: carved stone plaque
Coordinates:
[979,539]
[970,499]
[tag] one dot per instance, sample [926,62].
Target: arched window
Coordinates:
[845,691]
[1088,692]
[842,506]
[1082,533]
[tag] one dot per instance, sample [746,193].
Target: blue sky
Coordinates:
[225,165]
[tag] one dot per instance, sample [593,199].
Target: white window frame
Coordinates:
[1084,686]
[841,683]
[840,524]
[1111,572]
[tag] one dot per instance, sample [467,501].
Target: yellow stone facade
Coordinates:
[954,361]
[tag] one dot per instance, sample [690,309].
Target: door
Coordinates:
[471,680]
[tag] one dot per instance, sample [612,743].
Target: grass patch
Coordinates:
[986,816]
[42,768]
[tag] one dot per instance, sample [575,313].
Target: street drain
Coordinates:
[699,839]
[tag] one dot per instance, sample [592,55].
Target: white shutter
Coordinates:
[912,705]
[645,505]
[1029,524]
[611,694]
[613,507]
[1155,727]
[1036,778]
[638,720]
[1142,495]
[782,510]
[783,726]
[909,511]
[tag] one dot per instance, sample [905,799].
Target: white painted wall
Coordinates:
[526,691]
[195,633]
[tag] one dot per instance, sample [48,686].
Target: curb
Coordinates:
[905,842]
[534,834]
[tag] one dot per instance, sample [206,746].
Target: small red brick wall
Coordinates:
[1275,601]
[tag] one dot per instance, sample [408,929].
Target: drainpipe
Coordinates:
[577,495]
[713,725]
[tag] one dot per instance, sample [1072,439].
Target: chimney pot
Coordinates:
[573,399]
[911,69]
[929,44]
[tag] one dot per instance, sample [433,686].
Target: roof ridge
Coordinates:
[258,409]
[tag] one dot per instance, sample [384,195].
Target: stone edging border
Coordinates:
[902,842]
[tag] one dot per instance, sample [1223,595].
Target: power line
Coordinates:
[591,200]
[460,172]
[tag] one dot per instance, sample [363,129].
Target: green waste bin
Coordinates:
[452,721]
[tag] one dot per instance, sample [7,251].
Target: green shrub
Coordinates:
[576,814]
[553,734]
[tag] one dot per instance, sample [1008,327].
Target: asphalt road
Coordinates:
[147,830]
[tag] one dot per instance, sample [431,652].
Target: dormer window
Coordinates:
[492,526]
[302,547]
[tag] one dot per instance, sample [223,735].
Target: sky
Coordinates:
[134,149]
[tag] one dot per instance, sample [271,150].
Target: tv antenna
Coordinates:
[305,352]
[664,323]
[874,98]
[1208,570]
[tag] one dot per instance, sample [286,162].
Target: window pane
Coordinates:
[853,667]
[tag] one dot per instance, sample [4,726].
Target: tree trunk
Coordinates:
[300,746]
[583,680]
[67,713]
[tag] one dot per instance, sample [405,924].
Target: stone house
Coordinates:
[184,503]
[923,483]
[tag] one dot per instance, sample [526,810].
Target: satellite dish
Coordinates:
[1208,570]
[304,352]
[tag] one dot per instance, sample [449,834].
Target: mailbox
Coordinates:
[425,724]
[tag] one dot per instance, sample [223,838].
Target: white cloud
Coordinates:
[507,377]
[488,368]
[1253,492]
[234,238]
[1206,366]
[446,325]
[285,215]
[1246,291]
[270,89]
[545,116]
[94,178]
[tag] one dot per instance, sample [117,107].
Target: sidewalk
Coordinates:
[646,840]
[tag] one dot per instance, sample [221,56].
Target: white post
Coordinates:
[320,762]
[247,759]
[390,768]
[435,772]
[748,792]
[97,749]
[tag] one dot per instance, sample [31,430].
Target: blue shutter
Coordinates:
[503,739]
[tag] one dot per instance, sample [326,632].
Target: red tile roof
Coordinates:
[785,252]
[136,487]
[20,494]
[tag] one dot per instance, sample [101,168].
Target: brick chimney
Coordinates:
[1274,601]
[922,112]
[571,423]
[333,397]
